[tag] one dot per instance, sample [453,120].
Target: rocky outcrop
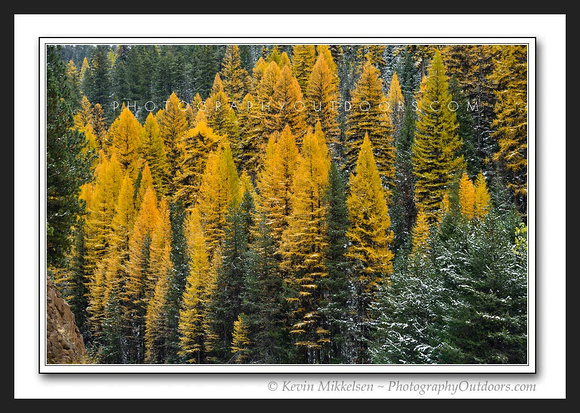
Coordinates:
[64,342]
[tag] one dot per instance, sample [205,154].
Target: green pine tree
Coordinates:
[97,82]
[403,205]
[335,305]
[263,299]
[436,150]
[226,304]
[67,165]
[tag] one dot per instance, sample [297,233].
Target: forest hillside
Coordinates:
[303,204]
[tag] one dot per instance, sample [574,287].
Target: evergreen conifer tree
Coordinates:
[436,157]
[226,304]
[97,81]
[67,167]
[403,205]
[263,299]
[335,306]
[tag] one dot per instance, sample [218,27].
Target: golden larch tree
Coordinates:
[100,126]
[173,123]
[482,197]
[257,73]
[252,142]
[264,98]
[420,234]
[240,340]
[101,201]
[472,66]
[321,98]
[125,136]
[153,150]
[275,181]
[303,58]
[234,74]
[304,243]
[200,282]
[369,232]
[115,272]
[288,107]
[510,126]
[84,115]
[220,114]
[370,239]
[219,190]
[193,150]
[156,319]
[372,54]
[368,117]
[122,223]
[395,102]
[324,50]
[285,61]
[143,181]
[139,280]
[466,196]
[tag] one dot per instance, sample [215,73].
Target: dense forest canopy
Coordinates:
[290,203]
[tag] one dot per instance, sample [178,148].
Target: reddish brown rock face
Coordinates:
[64,343]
